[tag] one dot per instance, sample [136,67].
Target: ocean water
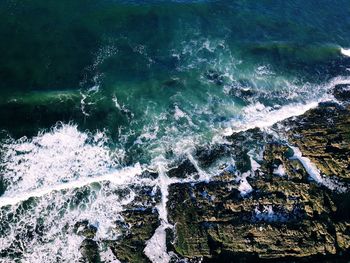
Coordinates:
[93,93]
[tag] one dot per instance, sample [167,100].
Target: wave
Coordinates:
[119,177]
[345,52]
[257,115]
[293,51]
[60,156]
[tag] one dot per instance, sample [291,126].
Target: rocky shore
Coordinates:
[285,199]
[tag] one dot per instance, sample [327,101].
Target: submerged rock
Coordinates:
[215,77]
[173,83]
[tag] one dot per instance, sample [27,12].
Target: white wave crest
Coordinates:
[60,156]
[345,51]
[259,116]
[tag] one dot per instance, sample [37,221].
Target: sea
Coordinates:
[95,93]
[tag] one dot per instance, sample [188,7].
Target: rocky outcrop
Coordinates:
[287,216]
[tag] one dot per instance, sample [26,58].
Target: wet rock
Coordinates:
[277,156]
[182,169]
[281,218]
[144,197]
[287,216]
[342,92]
[89,250]
[243,89]
[207,155]
[85,229]
[141,224]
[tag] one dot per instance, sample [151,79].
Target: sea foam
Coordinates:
[345,51]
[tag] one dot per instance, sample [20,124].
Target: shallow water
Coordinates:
[101,86]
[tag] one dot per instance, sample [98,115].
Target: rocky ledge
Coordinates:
[285,200]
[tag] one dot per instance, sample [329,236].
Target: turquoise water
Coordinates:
[152,80]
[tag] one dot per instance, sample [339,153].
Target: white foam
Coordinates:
[203,176]
[259,116]
[268,214]
[244,187]
[83,104]
[108,257]
[179,113]
[56,215]
[254,164]
[119,177]
[314,172]
[345,51]
[74,176]
[308,165]
[280,171]
[156,249]
[55,158]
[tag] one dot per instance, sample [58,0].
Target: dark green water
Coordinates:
[158,77]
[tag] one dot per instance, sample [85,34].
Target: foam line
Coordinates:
[314,172]
[120,177]
[258,116]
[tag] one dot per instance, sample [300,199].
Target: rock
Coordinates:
[142,225]
[342,92]
[283,217]
[145,197]
[243,89]
[276,155]
[89,251]
[286,217]
[207,155]
[182,169]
